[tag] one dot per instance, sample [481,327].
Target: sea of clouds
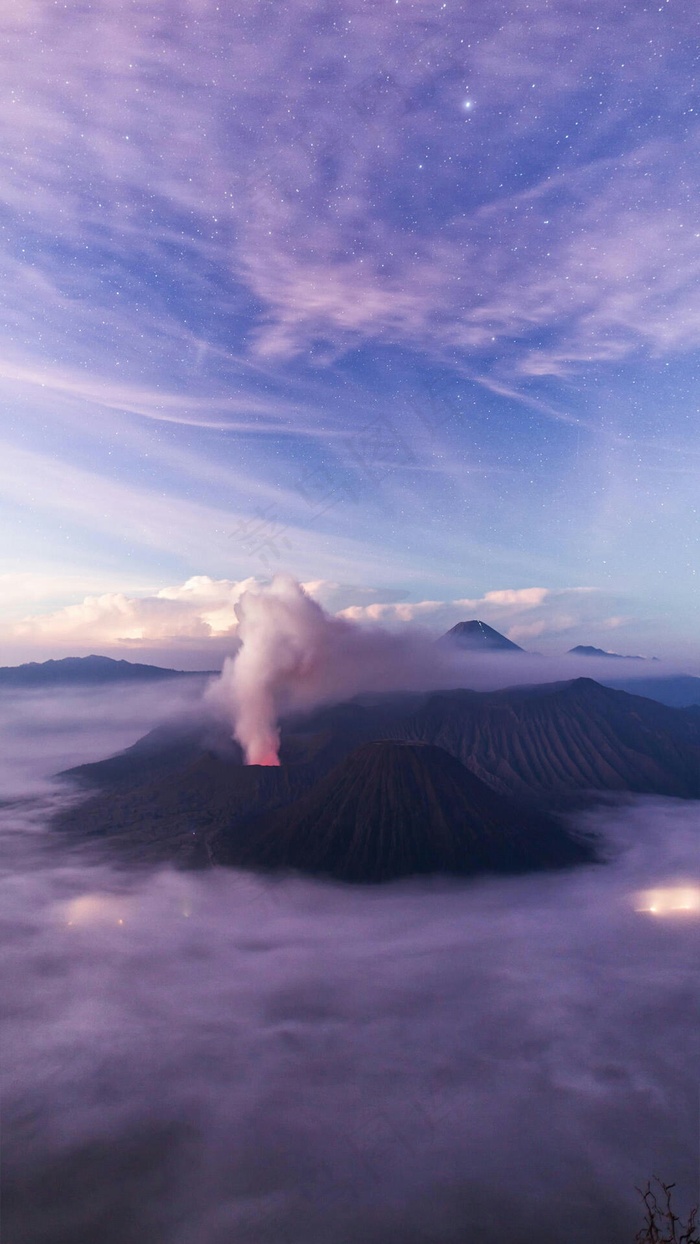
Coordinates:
[203,1058]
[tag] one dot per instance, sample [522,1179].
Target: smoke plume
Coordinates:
[294,656]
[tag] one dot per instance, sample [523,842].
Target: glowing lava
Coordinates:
[267,758]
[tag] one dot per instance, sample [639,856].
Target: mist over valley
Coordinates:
[201,1052]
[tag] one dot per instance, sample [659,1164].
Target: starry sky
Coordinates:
[401,297]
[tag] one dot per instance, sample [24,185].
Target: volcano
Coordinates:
[396,809]
[183,794]
[479,637]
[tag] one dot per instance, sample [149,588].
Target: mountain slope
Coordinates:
[549,743]
[675,690]
[395,809]
[479,637]
[167,750]
[554,746]
[171,815]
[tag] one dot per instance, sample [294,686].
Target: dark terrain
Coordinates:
[588,650]
[183,793]
[86,671]
[675,690]
[478,636]
[394,809]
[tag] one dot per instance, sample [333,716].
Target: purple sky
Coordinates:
[401,298]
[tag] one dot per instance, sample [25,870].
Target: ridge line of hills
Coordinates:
[676,690]
[81,671]
[524,757]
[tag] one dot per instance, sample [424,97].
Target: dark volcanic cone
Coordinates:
[182,793]
[478,637]
[393,809]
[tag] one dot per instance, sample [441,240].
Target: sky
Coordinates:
[399,298]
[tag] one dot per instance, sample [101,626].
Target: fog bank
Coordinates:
[201,1058]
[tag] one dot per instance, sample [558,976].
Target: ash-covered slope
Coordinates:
[535,742]
[168,749]
[554,746]
[394,809]
[171,812]
[552,742]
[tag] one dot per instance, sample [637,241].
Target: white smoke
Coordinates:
[294,656]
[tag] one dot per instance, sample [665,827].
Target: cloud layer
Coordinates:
[203,609]
[215,1056]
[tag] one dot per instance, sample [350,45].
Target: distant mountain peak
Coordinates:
[479,636]
[83,671]
[587,650]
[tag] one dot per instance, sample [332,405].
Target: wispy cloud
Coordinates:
[246,412]
[244,241]
[258,540]
[52,583]
[600,251]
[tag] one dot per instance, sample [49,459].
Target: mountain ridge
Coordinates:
[588,650]
[546,748]
[90,670]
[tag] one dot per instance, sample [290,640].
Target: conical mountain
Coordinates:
[478,636]
[394,809]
